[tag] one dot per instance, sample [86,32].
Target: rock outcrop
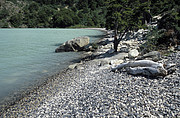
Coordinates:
[76,44]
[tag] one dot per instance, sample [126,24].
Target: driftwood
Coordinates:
[143,67]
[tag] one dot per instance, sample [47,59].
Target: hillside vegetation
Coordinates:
[83,13]
[52,13]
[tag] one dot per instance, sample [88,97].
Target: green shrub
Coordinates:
[14,1]
[94,46]
[16,20]
[4,13]
[3,24]
[152,40]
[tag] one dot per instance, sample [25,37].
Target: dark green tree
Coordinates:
[33,7]
[4,13]
[3,24]
[65,18]
[16,20]
[122,16]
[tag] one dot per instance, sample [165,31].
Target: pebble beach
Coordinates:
[90,91]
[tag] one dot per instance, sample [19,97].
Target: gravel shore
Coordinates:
[90,91]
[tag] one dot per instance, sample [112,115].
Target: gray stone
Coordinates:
[124,48]
[73,66]
[103,62]
[133,53]
[128,43]
[87,53]
[102,50]
[110,51]
[107,66]
[178,47]
[154,55]
[76,44]
[108,46]
[119,56]
[80,67]
[88,48]
[105,42]
[116,62]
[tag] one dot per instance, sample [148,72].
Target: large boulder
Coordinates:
[133,53]
[76,44]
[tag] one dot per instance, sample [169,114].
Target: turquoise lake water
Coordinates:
[27,55]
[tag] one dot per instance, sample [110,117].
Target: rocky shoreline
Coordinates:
[91,89]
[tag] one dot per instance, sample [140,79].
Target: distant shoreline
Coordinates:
[100,29]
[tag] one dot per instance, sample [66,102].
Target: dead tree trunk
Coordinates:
[143,67]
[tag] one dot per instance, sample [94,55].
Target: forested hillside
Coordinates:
[52,13]
[78,13]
